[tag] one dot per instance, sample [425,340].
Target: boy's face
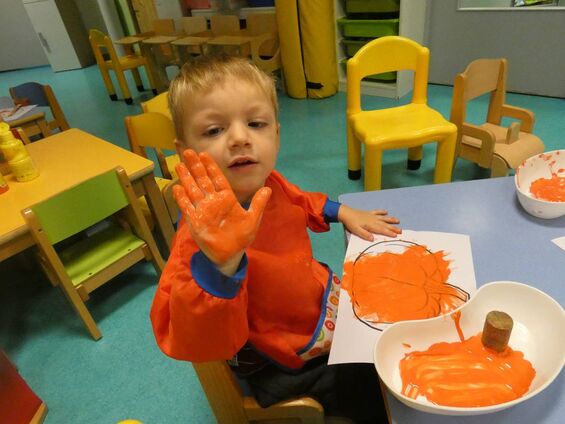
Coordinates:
[235,123]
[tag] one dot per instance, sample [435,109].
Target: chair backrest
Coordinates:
[159,103]
[387,54]
[81,206]
[102,46]
[481,76]
[194,24]
[41,95]
[261,23]
[164,26]
[224,24]
[151,130]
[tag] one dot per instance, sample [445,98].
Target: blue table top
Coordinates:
[507,244]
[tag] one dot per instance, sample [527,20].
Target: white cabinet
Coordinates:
[61,33]
[412,24]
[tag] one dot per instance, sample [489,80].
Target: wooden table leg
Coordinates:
[159,73]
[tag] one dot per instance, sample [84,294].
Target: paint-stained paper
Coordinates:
[418,275]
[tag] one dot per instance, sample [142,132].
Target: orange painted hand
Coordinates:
[219,225]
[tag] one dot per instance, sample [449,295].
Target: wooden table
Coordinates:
[64,160]
[157,60]
[189,45]
[240,43]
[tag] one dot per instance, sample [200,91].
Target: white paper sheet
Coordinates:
[8,117]
[354,338]
[560,241]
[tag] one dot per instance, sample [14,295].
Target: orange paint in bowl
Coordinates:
[550,189]
[465,373]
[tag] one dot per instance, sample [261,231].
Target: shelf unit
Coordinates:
[412,24]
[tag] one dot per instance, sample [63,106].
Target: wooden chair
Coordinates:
[102,45]
[259,24]
[491,145]
[408,126]
[159,103]
[41,95]
[224,25]
[82,264]
[231,406]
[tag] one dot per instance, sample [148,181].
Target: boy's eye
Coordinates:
[210,132]
[256,124]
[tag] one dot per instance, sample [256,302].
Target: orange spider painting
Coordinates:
[400,280]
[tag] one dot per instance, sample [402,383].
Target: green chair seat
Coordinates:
[97,252]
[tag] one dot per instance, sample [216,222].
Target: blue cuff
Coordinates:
[331,209]
[211,279]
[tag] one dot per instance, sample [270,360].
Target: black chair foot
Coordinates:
[113,97]
[154,91]
[354,175]
[412,165]
[140,88]
[129,101]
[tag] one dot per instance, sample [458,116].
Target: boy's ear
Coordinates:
[179,146]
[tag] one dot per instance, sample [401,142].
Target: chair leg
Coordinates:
[499,167]
[108,83]
[137,79]
[444,159]
[373,168]
[353,155]
[151,79]
[124,86]
[415,155]
[81,309]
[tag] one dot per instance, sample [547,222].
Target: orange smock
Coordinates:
[275,300]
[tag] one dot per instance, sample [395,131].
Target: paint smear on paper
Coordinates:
[409,283]
[465,373]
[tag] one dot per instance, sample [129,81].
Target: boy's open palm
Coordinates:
[219,225]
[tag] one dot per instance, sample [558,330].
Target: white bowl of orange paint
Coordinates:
[540,184]
[537,333]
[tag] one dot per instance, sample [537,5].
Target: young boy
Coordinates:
[241,283]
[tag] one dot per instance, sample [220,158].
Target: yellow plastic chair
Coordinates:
[409,126]
[491,145]
[159,103]
[231,406]
[153,130]
[82,264]
[102,44]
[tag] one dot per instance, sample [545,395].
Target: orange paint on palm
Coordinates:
[389,287]
[552,190]
[465,373]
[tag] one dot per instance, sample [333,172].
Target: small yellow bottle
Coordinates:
[3,184]
[16,155]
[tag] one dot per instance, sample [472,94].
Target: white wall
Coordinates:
[19,45]
[533,41]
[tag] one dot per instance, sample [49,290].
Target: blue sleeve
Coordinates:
[211,279]
[330,211]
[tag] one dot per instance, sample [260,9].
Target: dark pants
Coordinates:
[345,390]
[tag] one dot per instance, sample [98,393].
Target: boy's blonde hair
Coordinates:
[205,72]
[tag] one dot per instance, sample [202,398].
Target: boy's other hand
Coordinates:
[219,225]
[364,223]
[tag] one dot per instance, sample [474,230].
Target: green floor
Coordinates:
[124,375]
